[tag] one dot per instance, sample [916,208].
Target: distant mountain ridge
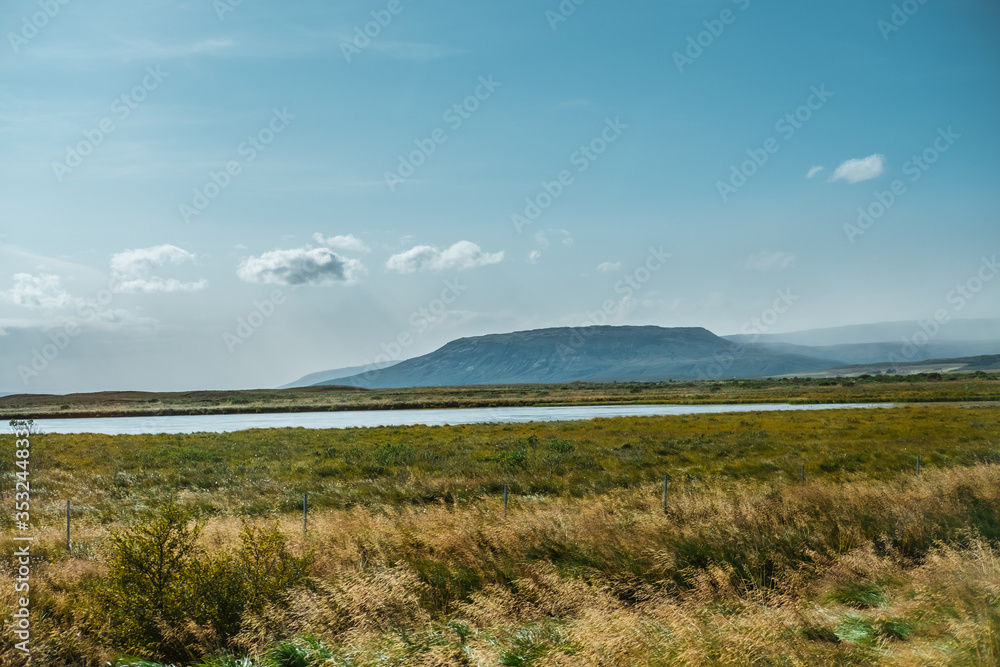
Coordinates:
[595,354]
[953,331]
[652,353]
[875,353]
[887,341]
[986,363]
[328,377]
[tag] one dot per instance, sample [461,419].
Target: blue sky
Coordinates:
[162,95]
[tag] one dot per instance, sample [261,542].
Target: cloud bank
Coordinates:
[41,292]
[300,266]
[132,270]
[460,256]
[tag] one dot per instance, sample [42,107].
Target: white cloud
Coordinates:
[346,242]
[54,308]
[462,255]
[609,267]
[40,292]
[769,261]
[300,266]
[132,270]
[814,171]
[534,256]
[864,169]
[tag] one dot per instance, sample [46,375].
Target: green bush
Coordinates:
[561,446]
[511,460]
[267,567]
[147,591]
[160,582]
[393,454]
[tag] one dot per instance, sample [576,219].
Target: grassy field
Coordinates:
[410,560]
[922,387]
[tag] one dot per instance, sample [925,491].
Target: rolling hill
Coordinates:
[986,363]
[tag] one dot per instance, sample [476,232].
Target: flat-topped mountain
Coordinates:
[598,353]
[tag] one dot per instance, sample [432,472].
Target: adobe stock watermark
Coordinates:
[364,34]
[21,616]
[958,298]
[223,7]
[60,338]
[915,168]
[247,326]
[455,116]
[562,12]
[698,44]
[786,126]
[420,321]
[248,150]
[899,17]
[629,284]
[754,327]
[121,108]
[582,159]
[31,26]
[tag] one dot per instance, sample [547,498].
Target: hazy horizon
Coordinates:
[953,331]
[234,194]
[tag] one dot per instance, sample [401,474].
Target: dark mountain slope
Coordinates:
[602,353]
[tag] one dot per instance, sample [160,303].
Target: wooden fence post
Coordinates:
[802,473]
[666,487]
[918,466]
[67,526]
[505,494]
[305,512]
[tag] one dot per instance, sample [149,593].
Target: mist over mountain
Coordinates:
[328,377]
[989,363]
[875,353]
[953,331]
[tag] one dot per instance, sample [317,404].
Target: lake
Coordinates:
[370,418]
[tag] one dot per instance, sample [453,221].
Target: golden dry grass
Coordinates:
[737,574]
[746,567]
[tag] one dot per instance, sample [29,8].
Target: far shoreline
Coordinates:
[921,388]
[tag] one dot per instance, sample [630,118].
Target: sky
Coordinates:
[217,194]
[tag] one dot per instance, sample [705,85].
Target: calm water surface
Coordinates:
[369,418]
